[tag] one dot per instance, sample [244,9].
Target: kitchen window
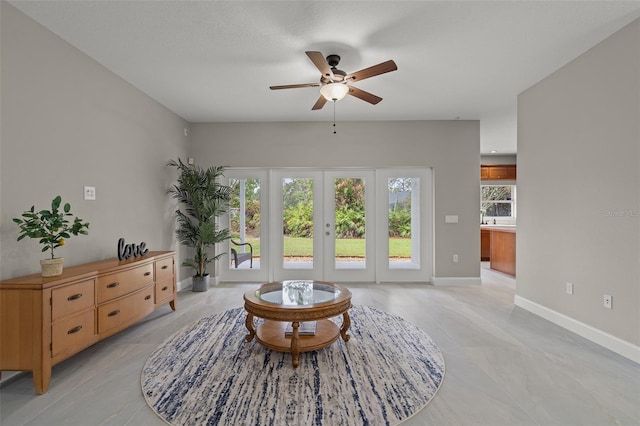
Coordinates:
[498,201]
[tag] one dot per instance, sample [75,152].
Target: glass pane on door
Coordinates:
[403,222]
[297,223]
[349,223]
[245,226]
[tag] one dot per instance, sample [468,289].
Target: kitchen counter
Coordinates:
[501,247]
[503,228]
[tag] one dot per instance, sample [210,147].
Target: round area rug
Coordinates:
[208,374]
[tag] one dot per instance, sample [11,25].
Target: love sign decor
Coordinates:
[125,251]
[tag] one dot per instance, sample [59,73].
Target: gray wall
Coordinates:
[69,122]
[494,159]
[579,187]
[451,148]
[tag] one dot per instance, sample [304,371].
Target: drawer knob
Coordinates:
[147,297]
[74,297]
[74,329]
[165,288]
[113,313]
[146,274]
[164,267]
[113,285]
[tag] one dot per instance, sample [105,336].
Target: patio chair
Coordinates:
[238,258]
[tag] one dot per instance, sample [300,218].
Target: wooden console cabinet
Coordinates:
[44,321]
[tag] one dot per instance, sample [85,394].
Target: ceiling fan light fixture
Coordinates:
[334,91]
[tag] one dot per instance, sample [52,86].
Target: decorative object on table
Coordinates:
[53,229]
[307,328]
[207,374]
[126,251]
[203,200]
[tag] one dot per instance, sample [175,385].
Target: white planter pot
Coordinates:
[51,267]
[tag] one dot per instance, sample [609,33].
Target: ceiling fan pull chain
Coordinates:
[334,117]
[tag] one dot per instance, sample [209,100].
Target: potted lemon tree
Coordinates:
[53,228]
[203,200]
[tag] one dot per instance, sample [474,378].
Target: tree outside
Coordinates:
[350,217]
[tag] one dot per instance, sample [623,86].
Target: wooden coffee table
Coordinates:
[291,302]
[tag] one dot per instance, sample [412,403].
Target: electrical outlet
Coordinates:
[569,288]
[608,301]
[89,192]
[455,258]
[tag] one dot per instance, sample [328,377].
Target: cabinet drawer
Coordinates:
[71,299]
[164,290]
[126,310]
[115,285]
[164,269]
[74,333]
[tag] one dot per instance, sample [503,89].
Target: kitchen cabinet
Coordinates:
[498,172]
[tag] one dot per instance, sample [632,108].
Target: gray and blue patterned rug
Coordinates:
[208,374]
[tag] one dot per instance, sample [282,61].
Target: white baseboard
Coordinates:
[184,284]
[609,341]
[455,281]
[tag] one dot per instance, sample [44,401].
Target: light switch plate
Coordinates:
[451,219]
[89,192]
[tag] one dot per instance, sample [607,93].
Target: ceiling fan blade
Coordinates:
[294,86]
[381,68]
[321,63]
[319,103]
[365,96]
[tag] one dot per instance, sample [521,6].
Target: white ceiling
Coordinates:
[213,61]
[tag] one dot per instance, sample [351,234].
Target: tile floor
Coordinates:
[504,365]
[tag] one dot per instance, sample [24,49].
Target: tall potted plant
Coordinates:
[203,200]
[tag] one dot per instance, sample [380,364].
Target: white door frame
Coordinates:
[261,270]
[306,270]
[364,271]
[419,270]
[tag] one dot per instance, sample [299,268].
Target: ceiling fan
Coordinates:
[335,84]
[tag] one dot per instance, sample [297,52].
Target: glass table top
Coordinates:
[297,293]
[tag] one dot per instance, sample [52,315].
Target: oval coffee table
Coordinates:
[287,304]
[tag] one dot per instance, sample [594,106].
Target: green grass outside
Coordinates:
[353,247]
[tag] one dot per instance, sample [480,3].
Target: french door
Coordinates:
[323,220]
[349,225]
[297,224]
[345,225]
